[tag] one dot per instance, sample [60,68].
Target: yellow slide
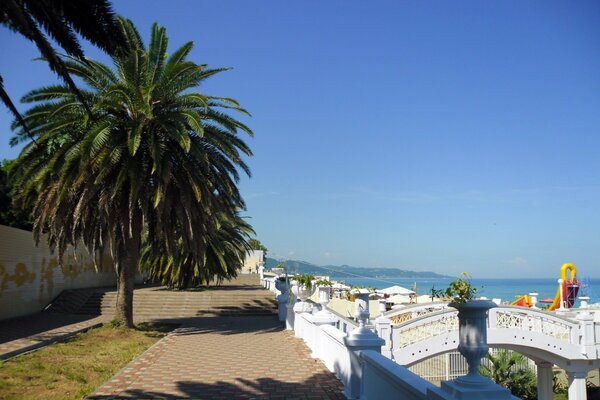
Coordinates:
[563,287]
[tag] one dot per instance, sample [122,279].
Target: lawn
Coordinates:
[73,369]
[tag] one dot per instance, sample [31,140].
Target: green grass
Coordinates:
[75,368]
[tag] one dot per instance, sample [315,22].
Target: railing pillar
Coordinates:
[586,329]
[577,389]
[289,316]
[544,380]
[383,326]
[261,271]
[319,321]
[472,317]
[361,338]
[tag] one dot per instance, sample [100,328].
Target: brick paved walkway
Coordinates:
[225,358]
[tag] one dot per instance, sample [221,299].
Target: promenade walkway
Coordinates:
[228,351]
[225,358]
[228,345]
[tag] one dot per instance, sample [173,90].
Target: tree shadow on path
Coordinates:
[318,386]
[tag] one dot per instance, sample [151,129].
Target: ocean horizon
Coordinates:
[505,289]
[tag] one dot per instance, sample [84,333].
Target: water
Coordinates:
[505,289]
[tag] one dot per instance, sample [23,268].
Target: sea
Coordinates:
[505,289]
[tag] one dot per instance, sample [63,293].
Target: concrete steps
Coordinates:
[243,299]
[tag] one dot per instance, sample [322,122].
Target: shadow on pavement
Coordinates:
[318,386]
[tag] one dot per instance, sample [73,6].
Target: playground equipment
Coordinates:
[567,288]
[523,301]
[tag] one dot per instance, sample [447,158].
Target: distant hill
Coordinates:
[345,271]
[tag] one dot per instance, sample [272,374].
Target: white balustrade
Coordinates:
[341,352]
[384,379]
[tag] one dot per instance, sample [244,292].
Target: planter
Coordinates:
[361,307]
[302,292]
[324,295]
[281,285]
[472,333]
[324,299]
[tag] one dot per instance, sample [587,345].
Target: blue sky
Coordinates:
[442,136]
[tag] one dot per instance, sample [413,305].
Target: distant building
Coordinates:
[253,259]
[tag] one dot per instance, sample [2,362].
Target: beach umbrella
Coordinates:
[341,286]
[393,290]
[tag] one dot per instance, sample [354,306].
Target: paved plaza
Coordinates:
[226,358]
[231,347]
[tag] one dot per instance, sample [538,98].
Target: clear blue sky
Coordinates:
[442,136]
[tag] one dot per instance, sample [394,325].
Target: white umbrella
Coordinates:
[392,290]
[339,285]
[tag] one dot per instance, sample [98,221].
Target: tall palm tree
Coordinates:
[156,163]
[94,20]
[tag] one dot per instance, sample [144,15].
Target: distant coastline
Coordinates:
[348,271]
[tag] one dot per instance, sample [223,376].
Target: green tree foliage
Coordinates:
[10,215]
[225,252]
[62,20]
[506,369]
[255,244]
[156,164]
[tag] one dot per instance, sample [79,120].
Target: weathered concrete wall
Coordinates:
[30,276]
[253,258]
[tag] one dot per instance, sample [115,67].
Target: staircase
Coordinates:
[240,297]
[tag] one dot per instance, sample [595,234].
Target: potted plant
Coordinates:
[472,326]
[459,290]
[278,269]
[324,287]
[281,283]
[302,286]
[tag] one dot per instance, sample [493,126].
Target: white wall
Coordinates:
[253,257]
[30,276]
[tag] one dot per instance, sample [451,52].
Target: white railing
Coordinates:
[356,359]
[427,333]
[511,317]
[451,365]
[425,327]
[384,379]
[404,314]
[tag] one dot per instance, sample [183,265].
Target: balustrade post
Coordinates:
[544,380]
[472,332]
[383,326]
[492,318]
[534,299]
[586,329]
[361,338]
[282,298]
[577,388]
[261,270]
[289,316]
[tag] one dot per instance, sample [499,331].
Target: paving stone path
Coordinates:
[225,358]
[229,345]
[227,352]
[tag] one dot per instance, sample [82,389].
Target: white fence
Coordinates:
[354,354]
[451,365]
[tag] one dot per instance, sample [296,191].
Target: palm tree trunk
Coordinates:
[126,275]
[126,281]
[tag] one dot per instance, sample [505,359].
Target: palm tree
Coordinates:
[507,368]
[94,20]
[225,252]
[155,164]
